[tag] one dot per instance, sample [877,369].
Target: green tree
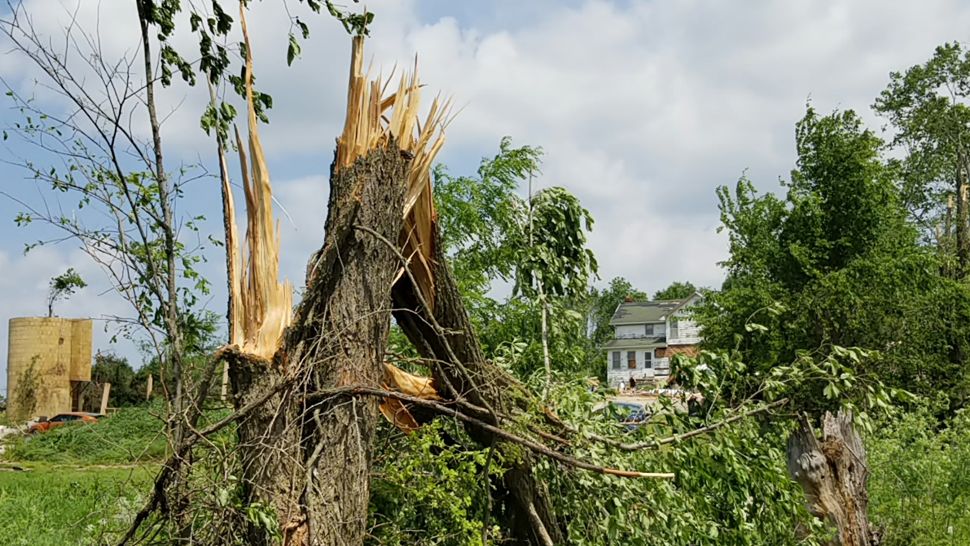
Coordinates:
[491,233]
[480,214]
[842,197]
[63,286]
[835,263]
[552,255]
[111,368]
[929,110]
[676,291]
[553,259]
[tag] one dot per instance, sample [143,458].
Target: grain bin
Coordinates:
[43,357]
[80,350]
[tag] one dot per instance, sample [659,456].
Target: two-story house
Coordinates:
[646,335]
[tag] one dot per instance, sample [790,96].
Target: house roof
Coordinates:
[641,312]
[635,342]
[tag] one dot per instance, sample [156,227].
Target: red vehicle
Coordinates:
[63,418]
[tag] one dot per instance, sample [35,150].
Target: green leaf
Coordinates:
[293,51]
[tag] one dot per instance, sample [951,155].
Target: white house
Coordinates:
[646,335]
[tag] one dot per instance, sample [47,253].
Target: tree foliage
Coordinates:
[481,215]
[929,110]
[63,286]
[485,227]
[605,302]
[919,485]
[676,291]
[836,263]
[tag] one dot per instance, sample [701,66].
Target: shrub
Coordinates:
[919,483]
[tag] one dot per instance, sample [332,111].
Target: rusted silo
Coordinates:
[43,356]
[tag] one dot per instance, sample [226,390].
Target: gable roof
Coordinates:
[641,312]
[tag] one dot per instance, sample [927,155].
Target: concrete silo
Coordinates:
[44,356]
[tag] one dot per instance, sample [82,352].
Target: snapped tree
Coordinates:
[62,287]
[308,384]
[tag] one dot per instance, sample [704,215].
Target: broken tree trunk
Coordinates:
[461,372]
[307,459]
[832,471]
[311,463]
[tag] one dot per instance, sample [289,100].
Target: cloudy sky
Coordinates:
[642,107]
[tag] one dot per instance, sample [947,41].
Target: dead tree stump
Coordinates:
[833,472]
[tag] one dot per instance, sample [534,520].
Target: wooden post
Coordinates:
[148,388]
[104,398]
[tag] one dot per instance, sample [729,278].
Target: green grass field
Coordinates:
[60,505]
[81,483]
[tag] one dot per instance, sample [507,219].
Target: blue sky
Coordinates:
[642,107]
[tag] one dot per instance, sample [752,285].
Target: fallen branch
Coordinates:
[500,432]
[676,438]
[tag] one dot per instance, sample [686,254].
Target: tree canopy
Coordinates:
[838,263]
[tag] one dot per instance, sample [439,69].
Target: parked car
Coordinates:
[630,413]
[62,419]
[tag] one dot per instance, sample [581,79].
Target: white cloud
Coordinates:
[642,107]
[24,285]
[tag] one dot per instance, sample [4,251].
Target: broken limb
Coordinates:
[499,432]
[676,438]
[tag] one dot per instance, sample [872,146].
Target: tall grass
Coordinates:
[56,506]
[132,435]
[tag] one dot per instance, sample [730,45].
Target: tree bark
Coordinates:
[310,462]
[483,385]
[963,245]
[833,474]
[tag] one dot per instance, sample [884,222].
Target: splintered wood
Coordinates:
[396,379]
[262,305]
[833,472]
[366,127]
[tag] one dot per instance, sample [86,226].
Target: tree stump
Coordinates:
[833,472]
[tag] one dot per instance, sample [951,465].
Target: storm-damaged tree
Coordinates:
[308,385]
[63,286]
[306,453]
[115,174]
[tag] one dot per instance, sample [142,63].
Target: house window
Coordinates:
[616,360]
[647,363]
[631,360]
[648,329]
